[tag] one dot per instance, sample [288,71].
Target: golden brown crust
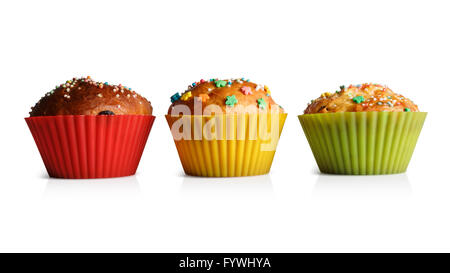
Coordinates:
[87,97]
[361,98]
[231,96]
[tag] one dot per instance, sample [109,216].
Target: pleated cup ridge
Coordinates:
[363,143]
[241,153]
[91,146]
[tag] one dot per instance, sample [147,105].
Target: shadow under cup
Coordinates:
[226,145]
[77,146]
[363,143]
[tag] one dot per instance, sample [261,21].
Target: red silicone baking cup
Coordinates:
[91,146]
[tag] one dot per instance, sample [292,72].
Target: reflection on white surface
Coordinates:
[228,186]
[359,186]
[121,187]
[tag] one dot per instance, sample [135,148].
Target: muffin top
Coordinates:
[85,96]
[229,96]
[361,98]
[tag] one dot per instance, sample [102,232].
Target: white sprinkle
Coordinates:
[117,95]
[134,96]
[118,106]
[99,95]
[68,90]
[128,95]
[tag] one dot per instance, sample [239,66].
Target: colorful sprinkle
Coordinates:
[262,103]
[203,97]
[266,88]
[358,99]
[220,83]
[175,97]
[407,110]
[231,100]
[186,96]
[246,90]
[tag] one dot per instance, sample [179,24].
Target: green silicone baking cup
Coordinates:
[363,143]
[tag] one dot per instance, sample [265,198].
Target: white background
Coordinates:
[299,49]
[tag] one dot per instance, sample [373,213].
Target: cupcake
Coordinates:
[362,130]
[89,129]
[225,128]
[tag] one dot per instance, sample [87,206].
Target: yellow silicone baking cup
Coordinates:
[363,143]
[241,144]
